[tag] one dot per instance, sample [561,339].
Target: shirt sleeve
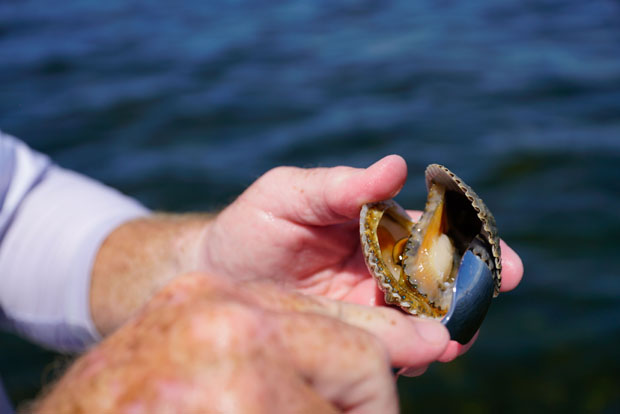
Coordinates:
[52,223]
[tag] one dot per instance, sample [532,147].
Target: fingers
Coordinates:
[409,341]
[345,194]
[343,350]
[512,268]
[455,349]
[345,365]
[412,372]
[323,196]
[263,385]
[289,359]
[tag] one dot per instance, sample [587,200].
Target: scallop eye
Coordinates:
[397,252]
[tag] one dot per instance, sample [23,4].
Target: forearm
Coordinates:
[138,258]
[52,234]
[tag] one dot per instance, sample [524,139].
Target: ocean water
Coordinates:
[184,104]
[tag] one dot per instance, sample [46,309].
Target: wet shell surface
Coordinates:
[416,264]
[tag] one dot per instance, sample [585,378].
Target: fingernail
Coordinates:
[411,372]
[395,192]
[432,332]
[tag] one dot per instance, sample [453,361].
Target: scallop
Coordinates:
[446,266]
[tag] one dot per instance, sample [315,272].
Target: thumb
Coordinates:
[324,196]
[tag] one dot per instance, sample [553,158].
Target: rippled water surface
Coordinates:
[184,104]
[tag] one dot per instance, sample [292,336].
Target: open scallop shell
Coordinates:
[416,265]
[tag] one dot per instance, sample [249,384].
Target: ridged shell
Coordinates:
[436,173]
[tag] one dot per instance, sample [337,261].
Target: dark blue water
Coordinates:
[184,104]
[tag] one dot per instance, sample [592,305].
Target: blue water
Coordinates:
[184,104]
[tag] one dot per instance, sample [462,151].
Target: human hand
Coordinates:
[299,228]
[205,344]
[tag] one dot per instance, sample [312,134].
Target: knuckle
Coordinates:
[273,181]
[228,326]
[276,174]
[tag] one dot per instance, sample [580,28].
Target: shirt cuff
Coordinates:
[48,253]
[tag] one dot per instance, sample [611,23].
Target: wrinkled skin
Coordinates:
[205,345]
[283,316]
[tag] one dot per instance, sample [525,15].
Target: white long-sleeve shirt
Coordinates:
[52,223]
